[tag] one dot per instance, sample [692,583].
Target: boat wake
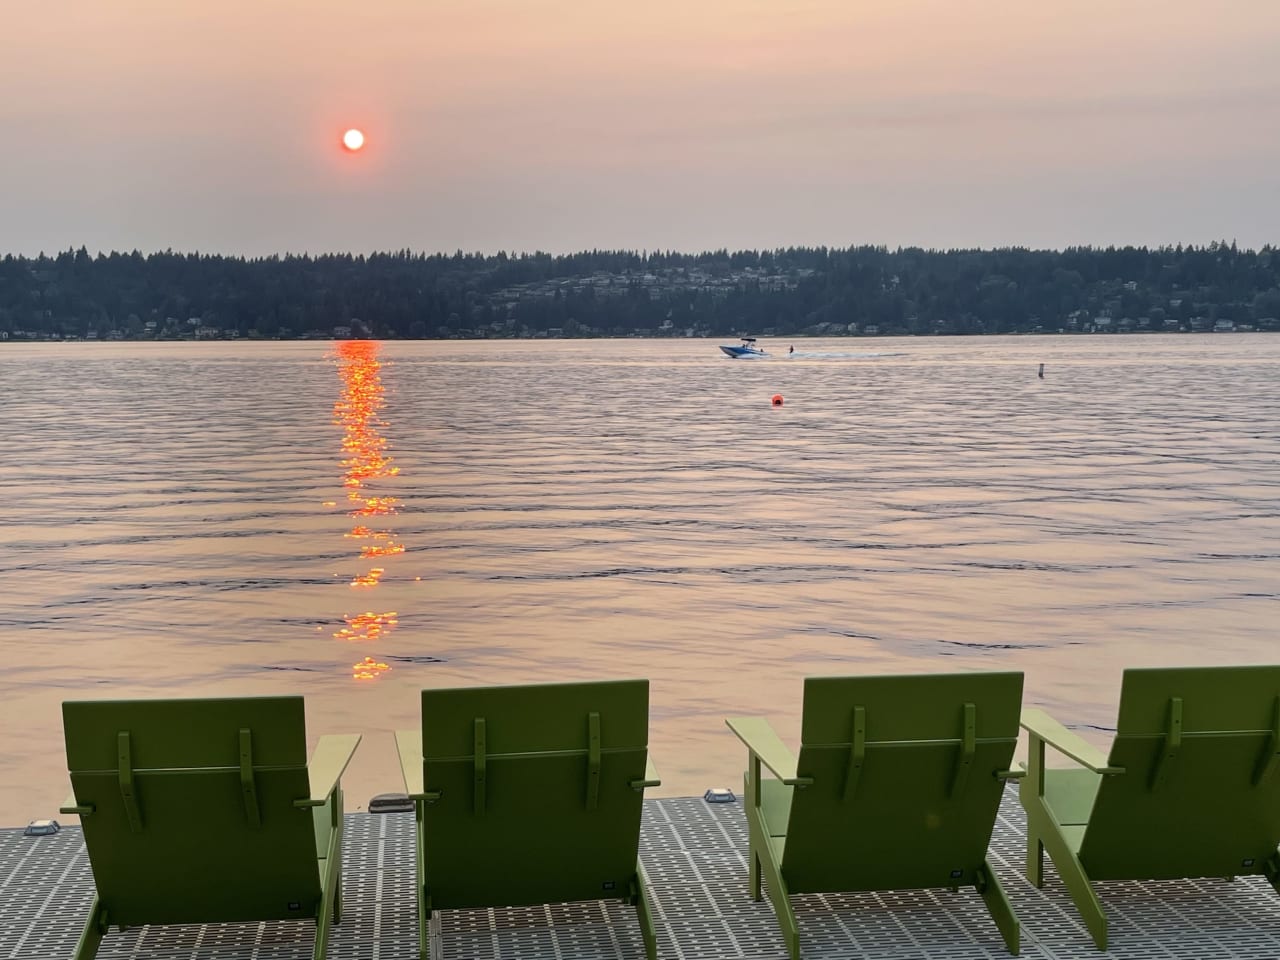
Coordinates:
[820,355]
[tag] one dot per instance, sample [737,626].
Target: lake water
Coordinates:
[357,522]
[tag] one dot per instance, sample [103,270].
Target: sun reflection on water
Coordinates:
[365,460]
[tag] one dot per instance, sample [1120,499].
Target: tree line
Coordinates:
[791,291]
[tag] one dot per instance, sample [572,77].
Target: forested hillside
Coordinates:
[795,291]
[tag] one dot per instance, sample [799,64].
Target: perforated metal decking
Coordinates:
[696,857]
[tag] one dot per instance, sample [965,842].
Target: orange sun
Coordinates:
[353,140]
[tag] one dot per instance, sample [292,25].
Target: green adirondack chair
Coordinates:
[206,811]
[1191,787]
[530,794]
[896,786]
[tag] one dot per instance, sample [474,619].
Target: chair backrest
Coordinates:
[193,817]
[904,791]
[536,803]
[1200,795]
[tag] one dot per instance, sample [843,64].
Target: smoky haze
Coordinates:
[517,125]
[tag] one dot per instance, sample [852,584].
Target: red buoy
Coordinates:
[777,399]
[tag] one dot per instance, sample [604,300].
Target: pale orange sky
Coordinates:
[545,124]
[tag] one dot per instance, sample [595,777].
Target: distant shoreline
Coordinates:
[793,292]
[775,338]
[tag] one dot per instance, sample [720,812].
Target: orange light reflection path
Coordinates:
[365,460]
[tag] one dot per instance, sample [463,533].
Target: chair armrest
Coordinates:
[651,778]
[765,745]
[71,805]
[324,770]
[409,747]
[1041,726]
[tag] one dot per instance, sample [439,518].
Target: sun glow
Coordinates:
[365,461]
[353,140]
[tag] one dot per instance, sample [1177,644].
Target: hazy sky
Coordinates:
[557,125]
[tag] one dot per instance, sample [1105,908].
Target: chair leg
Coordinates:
[329,911]
[760,854]
[1271,870]
[322,927]
[1078,887]
[337,856]
[329,901]
[420,874]
[781,901]
[1035,858]
[643,913]
[998,906]
[753,859]
[94,928]
[778,896]
[1031,797]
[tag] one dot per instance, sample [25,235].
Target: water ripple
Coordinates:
[178,522]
